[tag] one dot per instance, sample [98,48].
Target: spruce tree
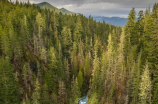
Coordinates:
[145,86]
[129,31]
[9,93]
[75,92]
[5,43]
[78,31]
[95,71]
[93,99]
[37,93]
[80,79]
[62,92]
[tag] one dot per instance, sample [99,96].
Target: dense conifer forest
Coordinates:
[54,58]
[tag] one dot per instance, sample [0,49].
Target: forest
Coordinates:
[54,58]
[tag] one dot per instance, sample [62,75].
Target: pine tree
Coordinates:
[40,22]
[62,92]
[120,59]
[140,24]
[129,31]
[145,86]
[37,93]
[93,99]
[78,30]
[136,80]
[9,93]
[149,42]
[110,59]
[25,73]
[52,59]
[75,92]
[80,80]
[155,72]
[95,71]
[45,95]
[5,43]
[67,70]
[43,54]
[87,63]
[50,80]
[74,59]
[16,46]
[66,37]
[55,24]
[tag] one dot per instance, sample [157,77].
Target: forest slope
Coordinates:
[46,57]
[46,5]
[51,58]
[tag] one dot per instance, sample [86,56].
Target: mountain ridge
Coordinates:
[117,21]
[47,5]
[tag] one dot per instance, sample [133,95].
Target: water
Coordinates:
[83,100]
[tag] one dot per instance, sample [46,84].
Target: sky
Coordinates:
[107,8]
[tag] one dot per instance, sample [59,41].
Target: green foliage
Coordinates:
[5,43]
[129,29]
[93,99]
[145,87]
[45,95]
[37,93]
[52,59]
[75,92]
[50,81]
[80,79]
[46,49]
[78,30]
[9,93]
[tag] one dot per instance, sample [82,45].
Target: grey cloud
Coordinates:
[133,3]
[108,8]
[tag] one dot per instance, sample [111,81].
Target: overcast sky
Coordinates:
[107,8]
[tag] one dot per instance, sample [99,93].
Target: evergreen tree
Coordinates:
[129,31]
[66,37]
[78,31]
[9,93]
[45,95]
[62,92]
[95,71]
[145,87]
[149,42]
[50,80]
[5,43]
[136,80]
[93,99]
[37,93]
[75,92]
[40,22]
[80,80]
[52,59]
[74,59]
[155,72]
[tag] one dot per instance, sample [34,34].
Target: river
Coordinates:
[83,100]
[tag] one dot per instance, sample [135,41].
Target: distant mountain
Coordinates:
[51,7]
[66,11]
[112,20]
[117,21]
[48,6]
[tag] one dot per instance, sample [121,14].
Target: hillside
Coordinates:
[46,5]
[66,11]
[49,58]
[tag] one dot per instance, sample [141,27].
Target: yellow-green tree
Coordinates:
[145,86]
